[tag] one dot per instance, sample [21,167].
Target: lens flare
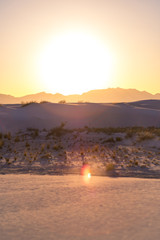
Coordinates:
[89,175]
[86,173]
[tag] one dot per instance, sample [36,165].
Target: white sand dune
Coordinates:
[48,115]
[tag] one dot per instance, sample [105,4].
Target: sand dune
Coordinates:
[133,152]
[48,115]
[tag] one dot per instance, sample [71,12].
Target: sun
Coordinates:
[75,62]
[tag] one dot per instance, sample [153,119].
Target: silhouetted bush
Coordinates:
[62,101]
[110,167]
[24,104]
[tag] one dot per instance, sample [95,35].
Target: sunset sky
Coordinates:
[72,46]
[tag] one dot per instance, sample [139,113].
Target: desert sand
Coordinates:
[52,138]
[43,148]
[66,207]
[48,115]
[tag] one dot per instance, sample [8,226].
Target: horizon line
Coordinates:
[79,93]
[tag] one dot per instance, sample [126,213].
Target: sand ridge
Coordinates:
[48,115]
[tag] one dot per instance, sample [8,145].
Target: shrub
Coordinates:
[109,140]
[7,135]
[35,132]
[44,102]
[136,163]
[17,139]
[145,136]
[47,155]
[95,148]
[1,143]
[129,134]
[62,101]
[48,146]
[118,139]
[58,131]
[27,144]
[57,147]
[7,161]
[110,167]
[42,147]
[24,104]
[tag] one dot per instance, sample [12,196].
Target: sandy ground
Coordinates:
[49,138]
[113,152]
[68,207]
[49,115]
[56,139]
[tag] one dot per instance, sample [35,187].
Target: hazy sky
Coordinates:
[31,30]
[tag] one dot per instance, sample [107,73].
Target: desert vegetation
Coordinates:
[25,104]
[106,150]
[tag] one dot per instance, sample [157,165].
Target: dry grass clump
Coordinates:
[1,143]
[109,140]
[62,101]
[27,144]
[95,148]
[57,147]
[58,131]
[118,139]
[7,136]
[25,104]
[17,139]
[110,167]
[129,134]
[34,132]
[44,102]
[143,136]
[46,156]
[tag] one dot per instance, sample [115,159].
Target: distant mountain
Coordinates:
[4,99]
[110,95]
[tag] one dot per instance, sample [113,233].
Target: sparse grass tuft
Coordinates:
[95,148]
[1,143]
[44,102]
[142,136]
[58,131]
[62,101]
[27,144]
[17,139]
[7,136]
[57,147]
[110,167]
[109,140]
[25,104]
[118,139]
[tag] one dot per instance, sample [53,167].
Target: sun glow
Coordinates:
[89,175]
[86,173]
[75,62]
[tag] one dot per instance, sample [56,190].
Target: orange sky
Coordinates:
[129,30]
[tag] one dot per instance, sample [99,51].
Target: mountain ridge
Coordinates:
[95,96]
